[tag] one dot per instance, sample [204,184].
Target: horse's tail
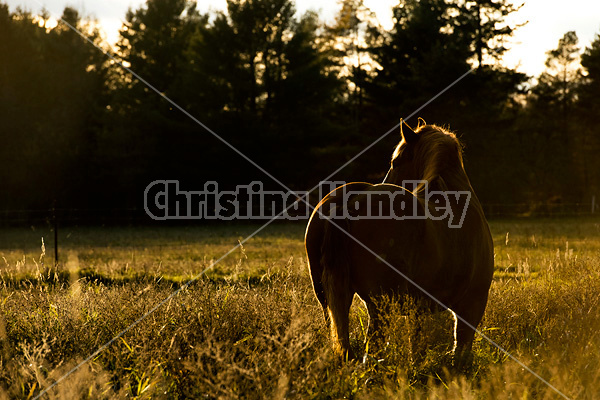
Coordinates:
[335,261]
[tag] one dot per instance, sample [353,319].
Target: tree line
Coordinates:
[296,95]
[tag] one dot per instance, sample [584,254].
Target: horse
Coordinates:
[414,250]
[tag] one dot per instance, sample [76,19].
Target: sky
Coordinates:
[547,21]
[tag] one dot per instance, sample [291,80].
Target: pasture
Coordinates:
[251,327]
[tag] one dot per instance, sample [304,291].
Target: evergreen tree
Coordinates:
[482,25]
[556,88]
[588,122]
[51,95]
[146,138]
[551,138]
[417,57]
[348,37]
[589,89]
[271,82]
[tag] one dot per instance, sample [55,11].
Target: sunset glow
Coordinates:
[544,22]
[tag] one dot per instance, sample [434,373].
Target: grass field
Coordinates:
[251,327]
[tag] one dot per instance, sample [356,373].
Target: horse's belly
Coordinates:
[429,275]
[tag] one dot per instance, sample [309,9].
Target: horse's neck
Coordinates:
[457,180]
[458,183]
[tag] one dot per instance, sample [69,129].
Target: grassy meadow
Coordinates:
[251,327]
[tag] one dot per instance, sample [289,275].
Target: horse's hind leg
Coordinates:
[339,315]
[315,266]
[316,271]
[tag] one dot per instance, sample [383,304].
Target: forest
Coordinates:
[297,95]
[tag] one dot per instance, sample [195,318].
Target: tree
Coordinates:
[348,38]
[588,120]
[590,82]
[552,137]
[416,58]
[556,88]
[153,41]
[271,82]
[144,135]
[481,23]
[51,95]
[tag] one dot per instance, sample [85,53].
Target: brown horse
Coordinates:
[432,243]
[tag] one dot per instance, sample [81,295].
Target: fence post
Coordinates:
[55,222]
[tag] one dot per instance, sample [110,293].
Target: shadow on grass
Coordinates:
[61,279]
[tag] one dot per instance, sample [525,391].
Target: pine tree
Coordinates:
[145,134]
[349,37]
[588,119]
[51,96]
[589,90]
[272,81]
[550,122]
[482,25]
[555,93]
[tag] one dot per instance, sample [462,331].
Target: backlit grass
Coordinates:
[251,327]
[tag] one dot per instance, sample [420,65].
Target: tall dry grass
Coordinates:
[254,330]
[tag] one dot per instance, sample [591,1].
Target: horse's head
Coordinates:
[424,154]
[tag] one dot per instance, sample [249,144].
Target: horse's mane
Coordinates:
[437,152]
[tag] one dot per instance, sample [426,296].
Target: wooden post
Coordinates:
[55,223]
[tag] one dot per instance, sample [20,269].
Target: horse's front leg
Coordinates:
[467,317]
[463,342]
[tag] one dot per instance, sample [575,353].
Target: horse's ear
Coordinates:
[407,132]
[421,123]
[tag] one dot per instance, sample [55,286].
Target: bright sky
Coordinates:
[548,21]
